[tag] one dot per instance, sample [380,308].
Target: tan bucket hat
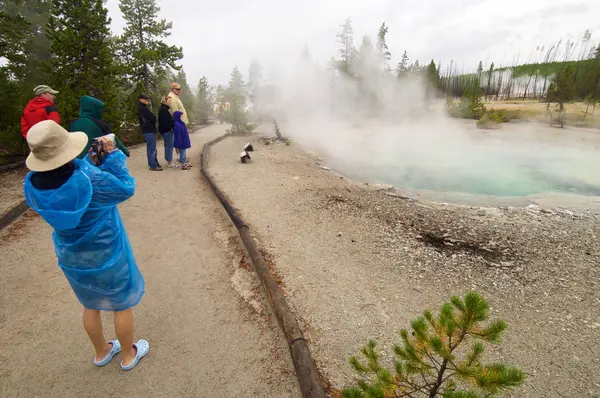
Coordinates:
[52,146]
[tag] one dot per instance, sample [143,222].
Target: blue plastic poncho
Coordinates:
[90,240]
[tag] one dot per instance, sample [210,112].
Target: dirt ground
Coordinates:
[360,262]
[11,188]
[210,330]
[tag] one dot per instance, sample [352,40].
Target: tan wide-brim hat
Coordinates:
[52,146]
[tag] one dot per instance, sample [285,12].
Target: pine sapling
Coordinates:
[440,357]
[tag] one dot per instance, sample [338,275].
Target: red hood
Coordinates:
[37,103]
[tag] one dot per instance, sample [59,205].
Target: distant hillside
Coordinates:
[545,68]
[527,81]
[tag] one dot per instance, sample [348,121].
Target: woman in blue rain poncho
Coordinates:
[79,198]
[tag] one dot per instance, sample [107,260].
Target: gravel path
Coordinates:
[358,262]
[210,331]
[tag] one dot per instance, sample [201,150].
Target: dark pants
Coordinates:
[151,149]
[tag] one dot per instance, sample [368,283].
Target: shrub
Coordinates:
[511,114]
[242,128]
[466,108]
[432,360]
[490,119]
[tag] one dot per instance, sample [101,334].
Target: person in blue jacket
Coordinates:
[79,198]
[181,140]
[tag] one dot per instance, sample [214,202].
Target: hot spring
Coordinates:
[517,160]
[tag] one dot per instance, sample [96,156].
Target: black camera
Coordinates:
[97,149]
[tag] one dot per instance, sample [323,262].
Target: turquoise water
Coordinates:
[498,173]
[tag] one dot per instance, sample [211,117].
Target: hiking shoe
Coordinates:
[186,167]
[156,168]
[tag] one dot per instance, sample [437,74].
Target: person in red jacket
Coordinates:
[40,108]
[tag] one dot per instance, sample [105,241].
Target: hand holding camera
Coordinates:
[101,147]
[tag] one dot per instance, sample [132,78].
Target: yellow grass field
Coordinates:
[529,109]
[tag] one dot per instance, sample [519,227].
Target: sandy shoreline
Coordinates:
[359,263]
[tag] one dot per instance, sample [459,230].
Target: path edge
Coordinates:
[306,369]
[14,213]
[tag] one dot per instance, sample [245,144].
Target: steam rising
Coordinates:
[381,129]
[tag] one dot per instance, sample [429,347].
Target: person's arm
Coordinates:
[24,127]
[176,104]
[52,113]
[184,117]
[162,119]
[148,115]
[114,184]
[173,106]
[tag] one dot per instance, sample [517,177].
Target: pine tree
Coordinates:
[236,82]
[142,51]
[81,62]
[382,47]
[402,68]
[204,100]
[347,51]
[433,80]
[479,70]
[562,89]
[186,95]
[489,82]
[365,63]
[254,80]
[432,359]
[23,48]
[220,93]
[236,96]
[12,39]
[23,40]
[415,68]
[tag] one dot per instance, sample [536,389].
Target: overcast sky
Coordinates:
[216,35]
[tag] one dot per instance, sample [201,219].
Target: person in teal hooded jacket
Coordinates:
[91,123]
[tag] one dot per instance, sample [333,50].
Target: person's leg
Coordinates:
[92,323]
[150,144]
[182,156]
[124,331]
[154,151]
[168,137]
